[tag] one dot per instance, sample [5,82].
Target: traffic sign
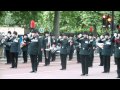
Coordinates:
[41,30]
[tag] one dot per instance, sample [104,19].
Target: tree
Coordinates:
[56,23]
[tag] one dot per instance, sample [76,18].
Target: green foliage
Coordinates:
[70,21]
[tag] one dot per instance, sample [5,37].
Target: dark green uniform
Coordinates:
[7,44]
[53,52]
[91,54]
[85,50]
[33,51]
[25,49]
[117,55]
[40,41]
[63,52]
[71,48]
[106,55]
[100,53]
[47,53]
[14,49]
[78,47]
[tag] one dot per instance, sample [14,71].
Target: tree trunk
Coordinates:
[95,30]
[56,23]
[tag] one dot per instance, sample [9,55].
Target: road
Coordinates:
[73,71]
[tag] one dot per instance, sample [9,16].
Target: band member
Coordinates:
[78,48]
[85,46]
[40,48]
[24,47]
[53,48]
[107,53]
[100,50]
[71,47]
[115,59]
[46,46]
[117,53]
[7,44]
[14,49]
[63,51]
[33,51]
[91,49]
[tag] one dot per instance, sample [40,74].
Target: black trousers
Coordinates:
[40,56]
[63,60]
[71,54]
[101,59]
[47,57]
[53,56]
[14,59]
[106,63]
[8,56]
[85,62]
[78,57]
[34,62]
[115,60]
[118,66]
[25,56]
[91,57]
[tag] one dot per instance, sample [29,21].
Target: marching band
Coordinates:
[36,45]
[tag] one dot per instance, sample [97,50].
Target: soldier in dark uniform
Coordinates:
[85,46]
[71,47]
[7,47]
[33,51]
[92,49]
[24,47]
[117,53]
[78,47]
[63,51]
[14,49]
[115,35]
[46,46]
[107,53]
[40,48]
[100,50]
[53,48]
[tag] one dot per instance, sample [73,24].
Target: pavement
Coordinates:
[53,71]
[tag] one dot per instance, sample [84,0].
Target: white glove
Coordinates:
[115,34]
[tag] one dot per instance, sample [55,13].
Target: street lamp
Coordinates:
[112,27]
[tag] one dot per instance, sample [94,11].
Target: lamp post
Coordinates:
[112,25]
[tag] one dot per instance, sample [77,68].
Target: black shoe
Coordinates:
[63,69]
[7,63]
[104,72]
[15,67]
[35,71]
[45,65]
[82,74]
[118,77]
[32,71]
[12,67]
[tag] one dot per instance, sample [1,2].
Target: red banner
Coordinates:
[32,24]
[91,29]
